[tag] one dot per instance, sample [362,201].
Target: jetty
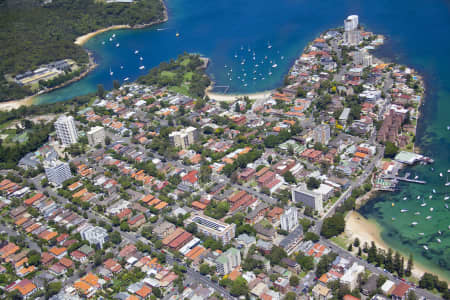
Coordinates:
[405,179]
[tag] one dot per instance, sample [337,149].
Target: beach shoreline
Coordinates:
[80,41]
[357,226]
[232,97]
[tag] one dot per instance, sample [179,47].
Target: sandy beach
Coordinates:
[14,104]
[233,97]
[81,40]
[356,226]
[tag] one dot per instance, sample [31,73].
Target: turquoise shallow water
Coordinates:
[417,34]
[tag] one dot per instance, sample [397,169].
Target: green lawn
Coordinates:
[188,76]
[180,89]
[185,62]
[340,241]
[167,74]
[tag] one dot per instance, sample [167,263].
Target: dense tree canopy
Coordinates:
[33,33]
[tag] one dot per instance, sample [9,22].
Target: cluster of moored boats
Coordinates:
[429,216]
[136,52]
[252,67]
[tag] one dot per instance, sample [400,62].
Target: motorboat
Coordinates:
[117,45]
[126,78]
[404,198]
[415,223]
[431,209]
[423,204]
[417,213]
[274,65]
[403,210]
[141,67]
[428,218]
[136,52]
[425,247]
[438,240]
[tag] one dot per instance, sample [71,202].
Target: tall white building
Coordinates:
[351,23]
[289,219]
[352,36]
[307,197]
[229,260]
[184,137]
[57,171]
[96,136]
[66,130]
[322,134]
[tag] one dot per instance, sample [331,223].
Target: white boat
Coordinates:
[430,197]
[114,35]
[438,240]
[141,67]
[110,39]
[103,42]
[111,73]
[270,73]
[446,197]
[136,52]
[263,78]
[235,56]
[274,65]
[245,84]
[421,233]
[423,204]
[425,247]
[141,58]
[126,78]
[282,57]
[414,223]
[434,191]
[269,46]
[404,198]
[440,174]
[415,177]
[446,205]
[428,218]
[121,67]
[403,210]
[417,213]
[418,197]
[447,183]
[117,45]
[431,209]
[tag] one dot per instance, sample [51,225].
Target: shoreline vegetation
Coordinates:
[366,230]
[14,15]
[81,40]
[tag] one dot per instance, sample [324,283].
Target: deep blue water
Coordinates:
[418,36]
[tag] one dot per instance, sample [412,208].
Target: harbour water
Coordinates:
[417,33]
